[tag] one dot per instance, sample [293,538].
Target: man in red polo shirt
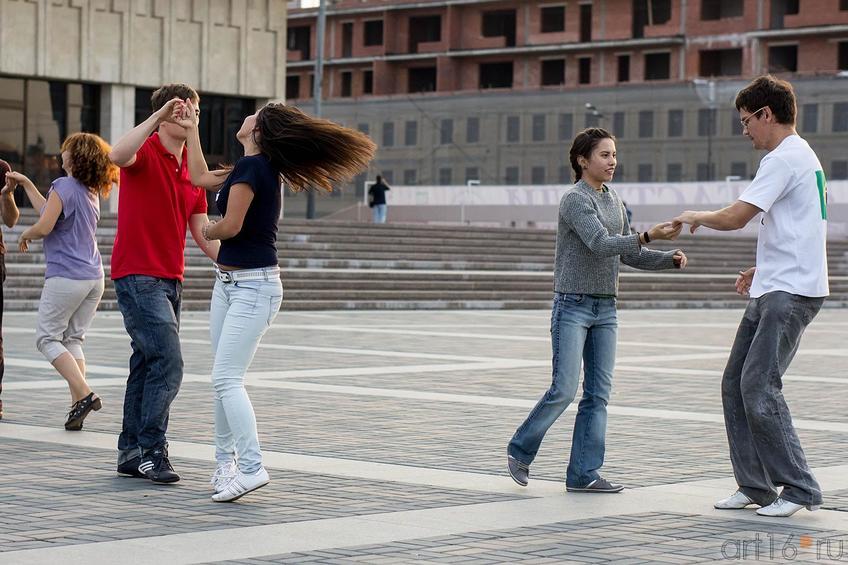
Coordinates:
[156,203]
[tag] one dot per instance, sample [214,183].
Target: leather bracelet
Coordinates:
[647,237]
[205,230]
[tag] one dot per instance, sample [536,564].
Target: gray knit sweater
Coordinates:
[593,235]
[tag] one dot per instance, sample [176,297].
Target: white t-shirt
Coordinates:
[791,190]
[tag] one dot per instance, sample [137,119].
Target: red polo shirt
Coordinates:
[155,202]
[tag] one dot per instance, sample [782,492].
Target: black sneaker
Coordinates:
[156,466]
[599,485]
[519,471]
[130,468]
[80,410]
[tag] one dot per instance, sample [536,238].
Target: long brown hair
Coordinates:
[583,145]
[311,152]
[91,163]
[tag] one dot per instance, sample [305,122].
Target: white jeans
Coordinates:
[241,313]
[65,312]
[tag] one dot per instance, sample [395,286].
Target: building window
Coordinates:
[292,87]
[840,116]
[585,23]
[809,118]
[37,116]
[843,4]
[496,75]
[446,132]
[592,120]
[424,29]
[782,8]
[706,122]
[373,33]
[513,129]
[657,66]
[564,174]
[511,175]
[539,127]
[364,128]
[553,19]
[410,177]
[618,124]
[553,72]
[720,9]
[388,134]
[720,62]
[445,176]
[388,176]
[624,68]
[674,172]
[565,127]
[298,39]
[675,123]
[347,84]
[839,170]
[472,173]
[422,79]
[649,13]
[537,175]
[645,172]
[367,82]
[584,69]
[500,23]
[783,59]
[739,169]
[646,124]
[472,130]
[705,172]
[842,57]
[735,124]
[410,133]
[619,173]
[347,39]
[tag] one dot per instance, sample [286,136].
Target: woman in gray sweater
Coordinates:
[592,237]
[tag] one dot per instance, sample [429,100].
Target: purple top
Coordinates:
[71,248]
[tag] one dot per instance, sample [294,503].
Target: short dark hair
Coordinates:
[379,178]
[171,91]
[769,91]
[583,145]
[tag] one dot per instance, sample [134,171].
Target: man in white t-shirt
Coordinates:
[787,288]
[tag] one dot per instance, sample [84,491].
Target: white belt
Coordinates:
[263,274]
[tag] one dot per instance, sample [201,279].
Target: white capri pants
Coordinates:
[65,312]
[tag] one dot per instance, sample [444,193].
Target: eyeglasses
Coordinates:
[744,121]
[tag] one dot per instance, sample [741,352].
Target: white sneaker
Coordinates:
[737,501]
[782,508]
[242,484]
[224,473]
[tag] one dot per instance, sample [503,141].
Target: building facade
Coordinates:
[459,90]
[91,65]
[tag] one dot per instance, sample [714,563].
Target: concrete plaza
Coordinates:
[385,434]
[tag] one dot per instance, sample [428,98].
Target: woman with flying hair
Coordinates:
[73,280]
[281,143]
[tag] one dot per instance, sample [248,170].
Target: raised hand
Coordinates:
[744,280]
[13,179]
[688,217]
[185,114]
[166,112]
[665,230]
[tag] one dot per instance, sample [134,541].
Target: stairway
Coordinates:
[343,265]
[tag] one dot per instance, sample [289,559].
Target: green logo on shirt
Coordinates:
[822,184]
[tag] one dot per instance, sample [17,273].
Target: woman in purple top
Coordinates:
[73,282]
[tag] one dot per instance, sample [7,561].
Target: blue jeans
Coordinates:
[151,310]
[240,314]
[378,213]
[582,328]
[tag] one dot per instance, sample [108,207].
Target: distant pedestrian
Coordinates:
[377,200]
[593,237]
[73,279]
[281,143]
[787,286]
[10,214]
